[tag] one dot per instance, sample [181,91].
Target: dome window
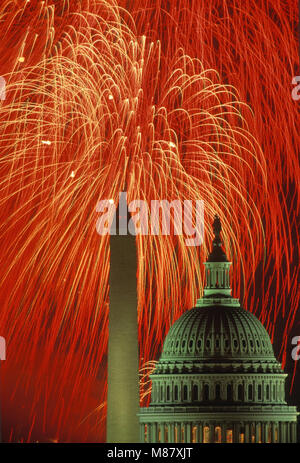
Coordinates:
[183,344]
[195,392]
[226,343]
[242,435]
[217,343]
[208,343]
[250,392]
[218,392]
[240,392]
[191,344]
[235,343]
[185,392]
[168,392]
[229,392]
[259,395]
[218,435]
[206,435]
[229,436]
[176,392]
[199,343]
[206,393]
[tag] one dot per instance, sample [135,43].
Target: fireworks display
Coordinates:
[174,99]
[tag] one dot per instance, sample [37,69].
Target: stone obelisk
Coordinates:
[123,352]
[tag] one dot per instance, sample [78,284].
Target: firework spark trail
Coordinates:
[96,103]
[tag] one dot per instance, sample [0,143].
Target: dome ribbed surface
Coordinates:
[217,332]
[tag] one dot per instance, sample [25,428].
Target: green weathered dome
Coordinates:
[217,332]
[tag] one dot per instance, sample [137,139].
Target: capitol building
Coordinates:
[217,379]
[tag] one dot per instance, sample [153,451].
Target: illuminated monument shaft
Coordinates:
[123,380]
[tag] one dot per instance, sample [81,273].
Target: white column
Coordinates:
[257,425]
[142,433]
[263,433]
[273,432]
[269,432]
[211,433]
[294,425]
[247,433]
[154,432]
[236,433]
[169,433]
[200,433]
[281,432]
[223,433]
[172,433]
[188,432]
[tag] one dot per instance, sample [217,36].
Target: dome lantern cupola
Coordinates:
[217,289]
[217,267]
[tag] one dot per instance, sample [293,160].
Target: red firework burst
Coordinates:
[180,99]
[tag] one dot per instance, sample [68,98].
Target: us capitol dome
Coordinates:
[217,379]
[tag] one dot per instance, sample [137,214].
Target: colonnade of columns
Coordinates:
[193,432]
[246,391]
[217,276]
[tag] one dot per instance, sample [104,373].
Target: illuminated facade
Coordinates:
[217,379]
